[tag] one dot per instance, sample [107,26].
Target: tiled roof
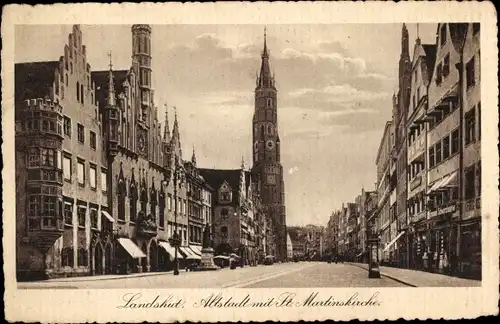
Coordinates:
[216,178]
[34,80]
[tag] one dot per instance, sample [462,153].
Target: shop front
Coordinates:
[469,263]
[418,246]
[442,241]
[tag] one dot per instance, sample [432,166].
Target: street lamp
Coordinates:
[176,239]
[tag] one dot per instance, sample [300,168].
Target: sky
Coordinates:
[334,82]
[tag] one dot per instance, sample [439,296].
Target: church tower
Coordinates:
[267,171]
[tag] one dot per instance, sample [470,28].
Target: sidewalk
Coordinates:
[110,277]
[417,278]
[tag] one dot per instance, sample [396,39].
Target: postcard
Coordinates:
[241,161]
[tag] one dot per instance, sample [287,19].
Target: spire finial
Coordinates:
[111,84]
[166,129]
[193,158]
[264,52]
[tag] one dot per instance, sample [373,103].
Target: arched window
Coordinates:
[270,129]
[77,91]
[133,202]
[269,102]
[262,131]
[121,199]
[144,200]
[153,202]
[161,205]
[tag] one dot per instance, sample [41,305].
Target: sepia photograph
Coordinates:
[248,155]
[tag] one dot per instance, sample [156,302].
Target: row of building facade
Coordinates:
[426,207]
[308,242]
[101,187]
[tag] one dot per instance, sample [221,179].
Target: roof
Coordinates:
[34,79]
[101,80]
[430,57]
[216,177]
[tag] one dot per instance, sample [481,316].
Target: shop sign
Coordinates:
[446,210]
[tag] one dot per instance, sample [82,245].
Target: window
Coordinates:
[476,28]
[152,204]
[83,258]
[455,142]
[77,89]
[446,65]
[81,211]
[93,218]
[225,196]
[269,102]
[431,157]
[224,213]
[439,76]
[223,231]
[68,213]
[184,207]
[81,173]
[67,167]
[121,193]
[169,202]
[34,157]
[81,133]
[133,203]
[162,210]
[104,180]
[93,142]
[442,35]
[479,121]
[470,73]
[67,257]
[470,129]
[446,147]
[33,206]
[82,94]
[93,177]
[49,157]
[469,183]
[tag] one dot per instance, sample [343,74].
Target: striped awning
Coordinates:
[132,249]
[108,216]
[185,250]
[196,249]
[169,249]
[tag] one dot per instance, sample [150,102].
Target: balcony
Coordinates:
[146,224]
[43,237]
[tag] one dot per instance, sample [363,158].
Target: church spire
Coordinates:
[166,129]
[265,77]
[193,158]
[111,84]
[175,131]
[405,42]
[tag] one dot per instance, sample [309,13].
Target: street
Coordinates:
[285,275]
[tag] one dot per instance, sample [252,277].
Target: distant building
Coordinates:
[289,247]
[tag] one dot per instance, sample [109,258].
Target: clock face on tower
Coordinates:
[270,144]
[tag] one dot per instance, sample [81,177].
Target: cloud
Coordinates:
[293,170]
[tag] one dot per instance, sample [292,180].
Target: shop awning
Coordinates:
[393,241]
[447,181]
[185,250]
[108,216]
[196,249]
[131,248]
[193,257]
[169,249]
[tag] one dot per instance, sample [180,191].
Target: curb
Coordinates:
[98,278]
[384,275]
